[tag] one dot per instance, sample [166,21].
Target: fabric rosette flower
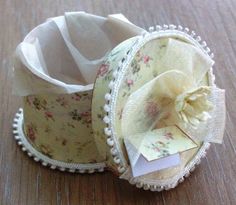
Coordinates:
[193,106]
[180,93]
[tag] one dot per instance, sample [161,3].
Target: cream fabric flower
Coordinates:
[193,106]
[178,95]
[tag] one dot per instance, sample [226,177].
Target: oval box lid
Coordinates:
[156,108]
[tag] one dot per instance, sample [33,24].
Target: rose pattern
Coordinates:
[161,148]
[49,115]
[81,97]
[51,124]
[84,117]
[31,131]
[129,82]
[103,69]
[141,61]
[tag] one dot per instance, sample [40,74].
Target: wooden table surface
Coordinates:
[23,181]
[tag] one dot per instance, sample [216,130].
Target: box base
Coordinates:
[45,160]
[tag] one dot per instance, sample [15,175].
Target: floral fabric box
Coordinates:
[127,97]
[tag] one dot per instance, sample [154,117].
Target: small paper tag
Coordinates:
[157,149]
[163,142]
[141,166]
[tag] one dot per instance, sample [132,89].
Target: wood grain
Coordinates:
[22,181]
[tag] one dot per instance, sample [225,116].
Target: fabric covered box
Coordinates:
[103,93]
